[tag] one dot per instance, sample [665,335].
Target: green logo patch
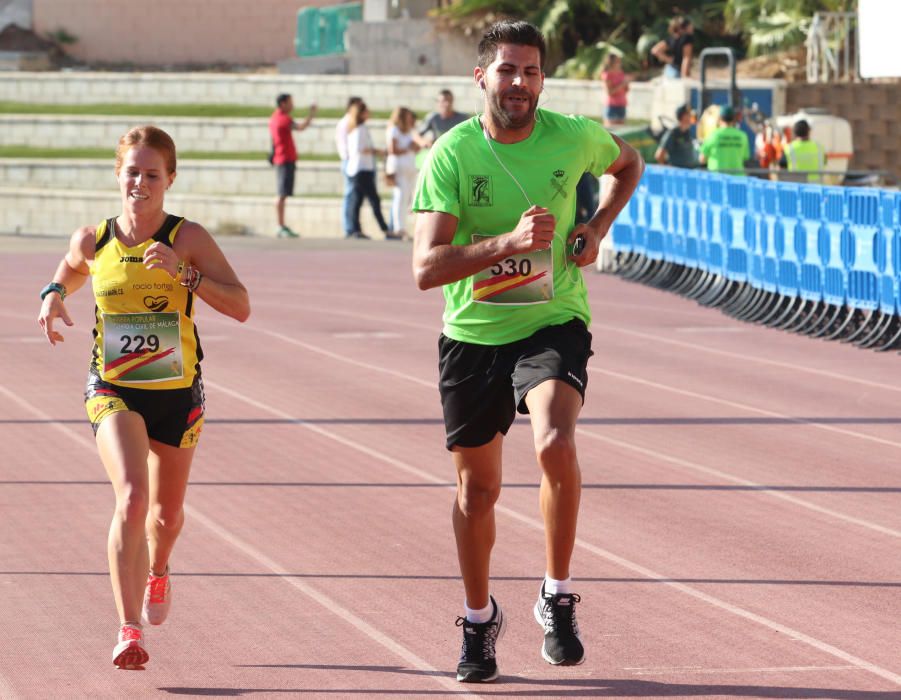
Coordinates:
[481,192]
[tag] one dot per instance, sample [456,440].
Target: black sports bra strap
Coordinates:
[162,236]
[107,234]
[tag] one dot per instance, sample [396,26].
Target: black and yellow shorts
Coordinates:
[173,416]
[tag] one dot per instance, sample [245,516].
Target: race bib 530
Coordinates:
[525,278]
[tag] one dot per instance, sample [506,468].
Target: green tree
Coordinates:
[767,26]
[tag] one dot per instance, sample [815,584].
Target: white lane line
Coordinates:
[329,604]
[311,592]
[611,373]
[670,341]
[775,493]
[6,690]
[691,670]
[342,358]
[746,358]
[598,551]
[744,407]
[619,443]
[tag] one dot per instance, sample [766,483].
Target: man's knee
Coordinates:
[477,498]
[556,452]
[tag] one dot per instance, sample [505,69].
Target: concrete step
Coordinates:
[56,212]
[222,177]
[189,133]
[381,92]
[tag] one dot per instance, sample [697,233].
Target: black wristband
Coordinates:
[54,287]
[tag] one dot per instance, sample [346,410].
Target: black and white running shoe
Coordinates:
[478,663]
[557,615]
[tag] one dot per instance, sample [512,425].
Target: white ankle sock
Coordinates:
[554,587]
[480,616]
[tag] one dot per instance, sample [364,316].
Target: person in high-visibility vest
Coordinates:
[802,154]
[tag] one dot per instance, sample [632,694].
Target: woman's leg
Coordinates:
[169,468]
[397,207]
[371,193]
[409,184]
[356,202]
[124,447]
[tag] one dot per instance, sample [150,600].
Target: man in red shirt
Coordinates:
[284,154]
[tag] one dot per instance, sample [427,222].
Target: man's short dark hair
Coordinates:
[446,94]
[351,101]
[801,129]
[508,31]
[682,111]
[282,98]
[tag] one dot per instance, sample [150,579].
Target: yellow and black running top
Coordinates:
[144,335]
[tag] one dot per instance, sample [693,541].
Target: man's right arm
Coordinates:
[436,261]
[661,155]
[427,126]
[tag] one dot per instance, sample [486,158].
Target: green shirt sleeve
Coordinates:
[604,151]
[439,183]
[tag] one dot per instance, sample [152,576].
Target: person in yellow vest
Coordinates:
[727,148]
[144,394]
[802,154]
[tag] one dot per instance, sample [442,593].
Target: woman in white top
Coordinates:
[361,169]
[403,143]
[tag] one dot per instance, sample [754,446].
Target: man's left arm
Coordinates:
[306,122]
[617,185]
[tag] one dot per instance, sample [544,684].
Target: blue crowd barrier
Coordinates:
[817,259]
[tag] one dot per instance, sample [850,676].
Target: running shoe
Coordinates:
[157,598]
[557,615]
[285,232]
[477,657]
[129,653]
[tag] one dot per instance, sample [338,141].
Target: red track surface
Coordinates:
[739,533]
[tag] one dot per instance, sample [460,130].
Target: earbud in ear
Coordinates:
[482,84]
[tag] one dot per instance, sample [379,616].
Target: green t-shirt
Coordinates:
[726,149]
[515,298]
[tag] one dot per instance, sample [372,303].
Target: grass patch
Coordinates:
[110,154]
[166,110]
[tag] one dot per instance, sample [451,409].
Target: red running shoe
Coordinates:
[130,653]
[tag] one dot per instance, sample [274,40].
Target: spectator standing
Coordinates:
[443,119]
[341,147]
[361,168]
[284,154]
[676,51]
[802,154]
[727,147]
[616,84]
[677,146]
[403,143]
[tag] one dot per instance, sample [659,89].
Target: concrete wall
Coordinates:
[59,212]
[167,32]
[408,47]
[874,112]
[380,92]
[15,12]
[194,176]
[188,133]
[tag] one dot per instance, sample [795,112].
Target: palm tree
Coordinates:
[768,26]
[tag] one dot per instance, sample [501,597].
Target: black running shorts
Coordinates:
[482,386]
[284,179]
[173,416]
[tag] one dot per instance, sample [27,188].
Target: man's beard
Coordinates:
[504,119]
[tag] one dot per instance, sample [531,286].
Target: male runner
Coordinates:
[496,229]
